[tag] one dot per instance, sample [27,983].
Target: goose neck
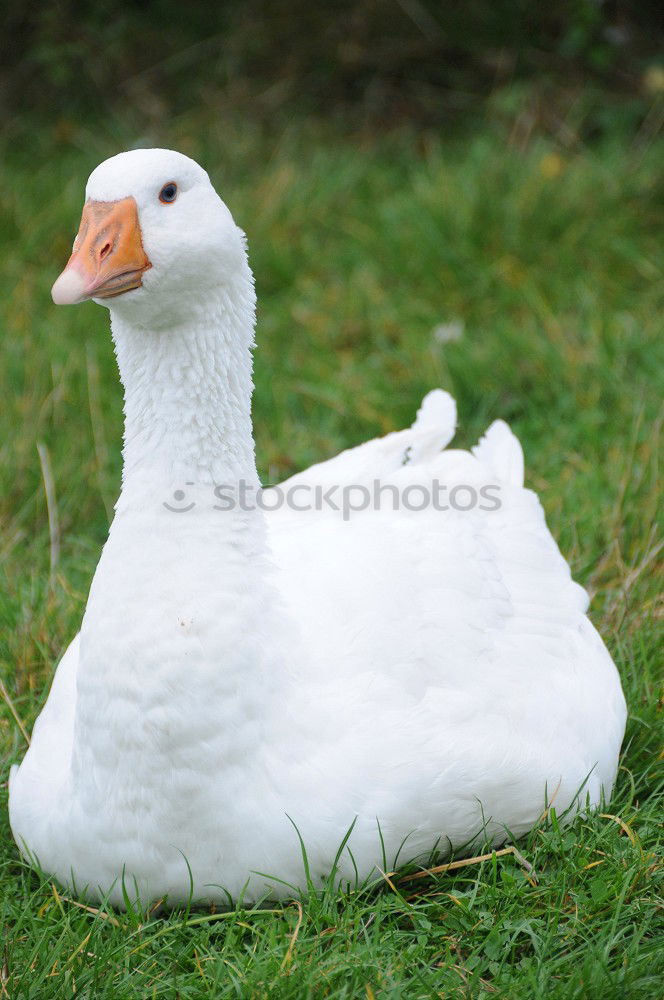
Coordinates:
[187,392]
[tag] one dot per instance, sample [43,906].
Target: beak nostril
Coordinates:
[105,250]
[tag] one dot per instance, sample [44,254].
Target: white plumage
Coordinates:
[426,674]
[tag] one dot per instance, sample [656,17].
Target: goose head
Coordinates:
[155,239]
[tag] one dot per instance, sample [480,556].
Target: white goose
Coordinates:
[427,675]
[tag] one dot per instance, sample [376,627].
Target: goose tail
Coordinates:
[500,450]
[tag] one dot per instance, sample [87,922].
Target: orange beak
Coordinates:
[108,258]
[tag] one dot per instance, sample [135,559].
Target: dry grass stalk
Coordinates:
[464,862]
[51,506]
[12,708]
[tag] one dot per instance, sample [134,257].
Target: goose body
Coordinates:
[250,671]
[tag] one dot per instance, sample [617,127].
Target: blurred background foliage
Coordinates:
[571,68]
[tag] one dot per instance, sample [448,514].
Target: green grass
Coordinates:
[361,248]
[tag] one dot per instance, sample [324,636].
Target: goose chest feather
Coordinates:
[247,672]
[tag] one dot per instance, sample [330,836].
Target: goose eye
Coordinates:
[168,193]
